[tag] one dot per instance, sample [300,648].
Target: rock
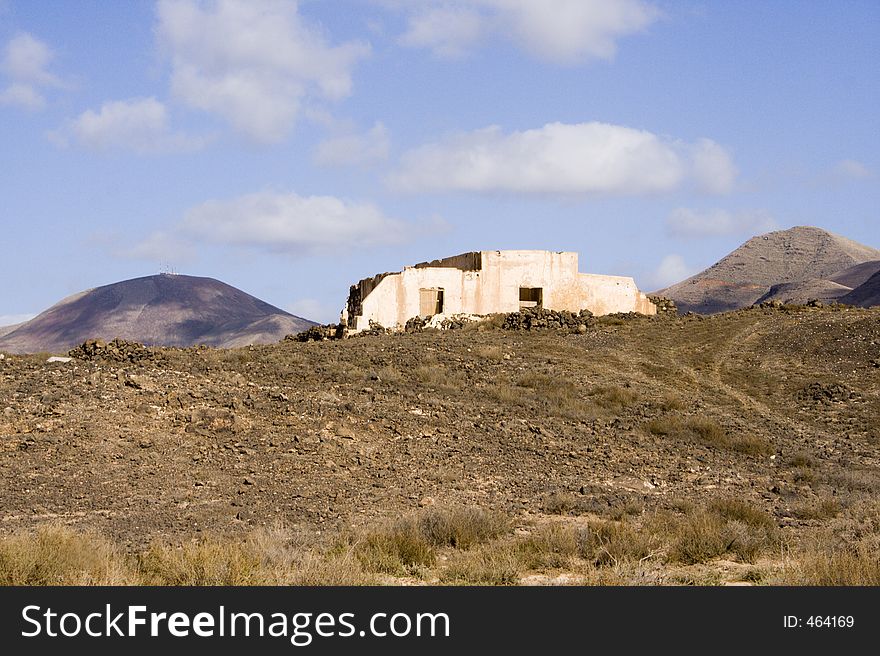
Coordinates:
[209,420]
[665,306]
[542,318]
[139,382]
[319,333]
[827,393]
[118,350]
[416,324]
[58,358]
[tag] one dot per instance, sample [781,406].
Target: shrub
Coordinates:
[818,508]
[748,514]
[535,381]
[461,527]
[56,555]
[707,431]
[558,503]
[395,548]
[207,562]
[724,526]
[614,543]
[549,546]
[489,565]
[848,564]
[698,538]
[613,396]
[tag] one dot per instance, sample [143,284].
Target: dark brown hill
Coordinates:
[159,310]
[802,254]
[804,291]
[866,294]
[856,275]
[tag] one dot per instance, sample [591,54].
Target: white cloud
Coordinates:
[252,62]
[584,158]
[25,63]
[560,31]
[672,269]
[355,149]
[446,31]
[23,96]
[686,222]
[314,310]
[140,124]
[287,222]
[855,170]
[161,247]
[713,168]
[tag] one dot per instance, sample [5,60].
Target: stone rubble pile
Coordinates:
[827,393]
[118,350]
[541,318]
[525,319]
[318,333]
[795,307]
[665,306]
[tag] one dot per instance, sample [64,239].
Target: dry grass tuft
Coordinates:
[849,564]
[550,546]
[488,565]
[207,562]
[461,527]
[56,555]
[612,544]
[535,380]
[709,432]
[559,503]
[824,507]
[397,548]
[613,397]
[725,526]
[495,353]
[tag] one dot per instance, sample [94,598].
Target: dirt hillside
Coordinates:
[777,408]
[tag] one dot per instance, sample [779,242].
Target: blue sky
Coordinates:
[291,149]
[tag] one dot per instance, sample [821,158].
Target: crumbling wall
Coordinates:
[610,294]
[357,293]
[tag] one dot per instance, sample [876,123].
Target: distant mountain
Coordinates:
[804,291]
[867,294]
[792,265]
[856,275]
[5,330]
[160,310]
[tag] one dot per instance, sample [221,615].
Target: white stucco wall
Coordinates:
[495,288]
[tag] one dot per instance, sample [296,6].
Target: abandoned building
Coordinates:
[487,282]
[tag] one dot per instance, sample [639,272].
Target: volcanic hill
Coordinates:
[791,266]
[159,310]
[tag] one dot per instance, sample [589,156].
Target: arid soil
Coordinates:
[779,408]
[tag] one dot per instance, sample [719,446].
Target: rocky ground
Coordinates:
[779,407]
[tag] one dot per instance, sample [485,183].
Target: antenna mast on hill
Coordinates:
[166,269]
